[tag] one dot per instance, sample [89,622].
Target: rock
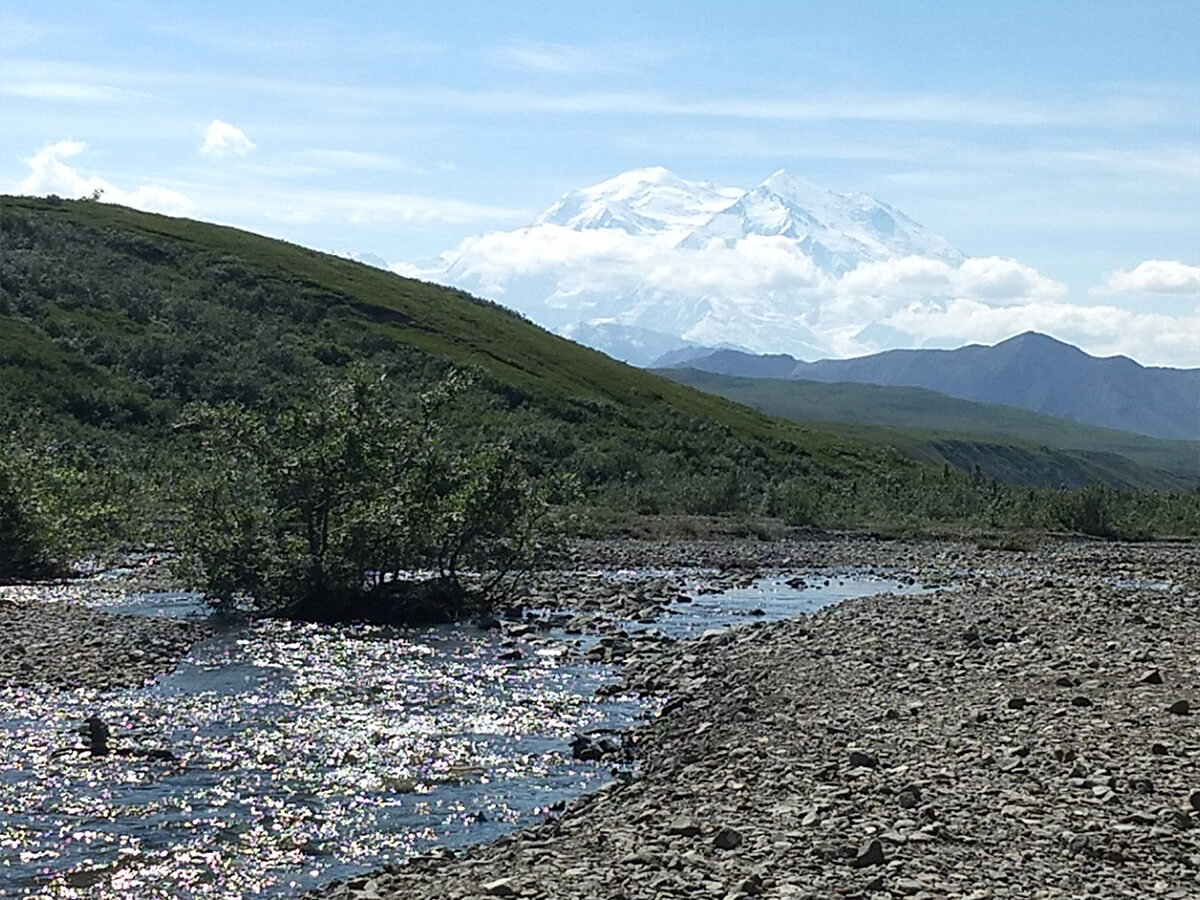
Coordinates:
[511,655]
[1081,701]
[97,735]
[870,855]
[501,887]
[1194,800]
[1017,703]
[586,749]
[1180,708]
[727,839]
[909,796]
[1141,818]
[864,760]
[684,827]
[1151,677]
[751,886]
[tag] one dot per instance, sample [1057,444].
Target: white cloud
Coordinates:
[304,206]
[560,59]
[48,174]
[69,92]
[223,139]
[354,159]
[763,293]
[1154,276]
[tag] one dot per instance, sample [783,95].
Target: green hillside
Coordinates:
[112,321]
[1007,443]
[82,278]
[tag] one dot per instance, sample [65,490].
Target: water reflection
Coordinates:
[302,752]
[292,754]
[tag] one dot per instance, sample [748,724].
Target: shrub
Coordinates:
[329,509]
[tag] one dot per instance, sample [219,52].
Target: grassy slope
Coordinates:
[555,373]
[1008,443]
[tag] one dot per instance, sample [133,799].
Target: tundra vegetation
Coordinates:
[314,436]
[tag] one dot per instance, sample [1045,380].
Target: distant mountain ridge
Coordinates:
[1030,371]
[1006,443]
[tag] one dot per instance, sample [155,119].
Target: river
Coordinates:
[286,755]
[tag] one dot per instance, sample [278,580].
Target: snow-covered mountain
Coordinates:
[641,201]
[648,262]
[836,231]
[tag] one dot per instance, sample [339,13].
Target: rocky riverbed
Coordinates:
[61,636]
[1033,733]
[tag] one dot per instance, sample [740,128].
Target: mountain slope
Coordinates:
[639,263]
[1030,371]
[835,231]
[1007,443]
[113,318]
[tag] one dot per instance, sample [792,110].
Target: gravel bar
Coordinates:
[1034,732]
[51,635]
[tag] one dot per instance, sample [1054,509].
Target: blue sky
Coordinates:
[1063,135]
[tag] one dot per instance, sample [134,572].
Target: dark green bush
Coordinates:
[329,509]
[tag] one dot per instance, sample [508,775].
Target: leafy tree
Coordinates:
[326,510]
[60,501]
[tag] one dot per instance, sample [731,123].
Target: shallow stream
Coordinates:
[303,753]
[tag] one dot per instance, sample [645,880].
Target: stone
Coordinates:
[727,839]
[870,855]
[864,760]
[1017,703]
[1180,708]
[1081,701]
[1151,677]
[501,887]
[97,735]
[1194,800]
[684,828]
[1141,818]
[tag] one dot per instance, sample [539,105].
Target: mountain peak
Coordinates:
[788,185]
[639,201]
[835,231]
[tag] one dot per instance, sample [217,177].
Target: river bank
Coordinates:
[61,636]
[1033,733]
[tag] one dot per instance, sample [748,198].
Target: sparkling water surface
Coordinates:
[292,754]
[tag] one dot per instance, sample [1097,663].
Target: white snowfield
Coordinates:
[648,262]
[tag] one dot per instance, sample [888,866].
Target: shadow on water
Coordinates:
[304,753]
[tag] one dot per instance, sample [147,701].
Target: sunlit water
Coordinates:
[306,753]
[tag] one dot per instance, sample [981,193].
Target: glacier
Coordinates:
[647,263]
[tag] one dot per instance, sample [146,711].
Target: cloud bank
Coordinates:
[1154,276]
[49,174]
[765,294]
